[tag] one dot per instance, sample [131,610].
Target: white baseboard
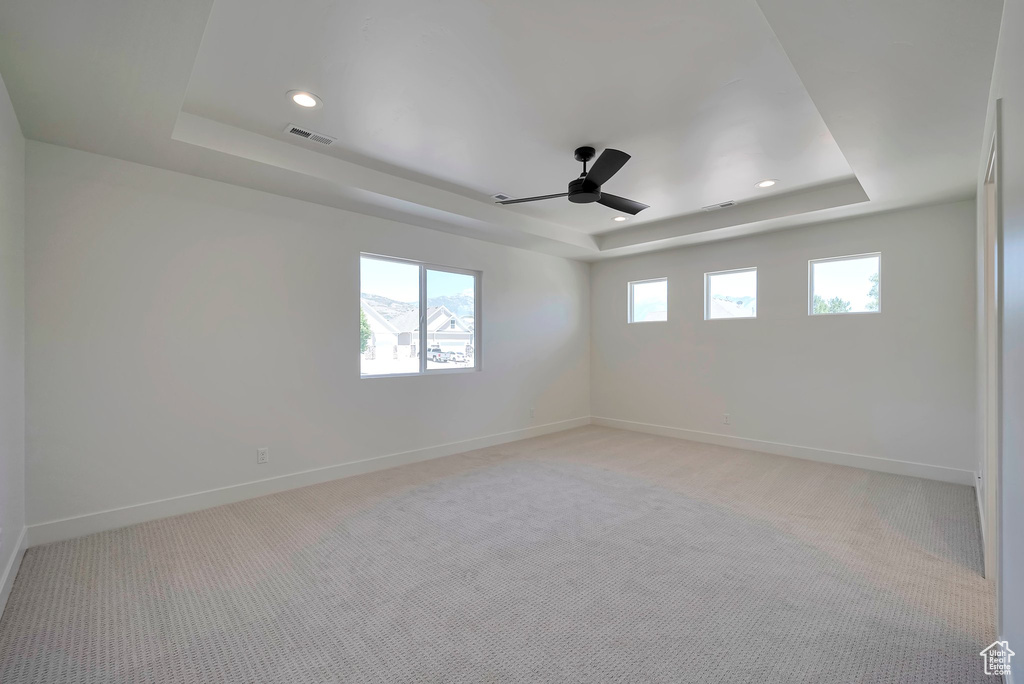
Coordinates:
[78,526]
[885,465]
[81,525]
[11,571]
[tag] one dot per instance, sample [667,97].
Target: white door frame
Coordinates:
[991,347]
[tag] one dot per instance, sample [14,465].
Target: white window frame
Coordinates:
[422,342]
[848,257]
[707,294]
[629,298]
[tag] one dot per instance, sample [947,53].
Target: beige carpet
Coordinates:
[593,555]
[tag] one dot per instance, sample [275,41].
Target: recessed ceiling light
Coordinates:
[619,218]
[766,183]
[305,99]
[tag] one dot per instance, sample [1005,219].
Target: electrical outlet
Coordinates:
[726,420]
[262,455]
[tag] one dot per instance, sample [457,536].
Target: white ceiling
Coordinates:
[855,107]
[491,97]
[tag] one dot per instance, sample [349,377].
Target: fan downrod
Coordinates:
[580,190]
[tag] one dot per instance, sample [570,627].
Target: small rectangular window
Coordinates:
[648,300]
[416,318]
[730,294]
[849,284]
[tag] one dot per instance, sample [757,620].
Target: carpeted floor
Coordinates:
[592,555]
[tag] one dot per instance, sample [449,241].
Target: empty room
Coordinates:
[468,341]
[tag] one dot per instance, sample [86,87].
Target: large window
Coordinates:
[730,294]
[849,284]
[416,318]
[648,300]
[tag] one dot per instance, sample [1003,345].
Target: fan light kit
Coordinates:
[587,188]
[766,183]
[305,99]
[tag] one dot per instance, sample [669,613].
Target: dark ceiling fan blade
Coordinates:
[532,199]
[626,206]
[606,166]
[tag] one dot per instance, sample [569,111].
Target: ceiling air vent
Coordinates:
[310,135]
[721,205]
[501,197]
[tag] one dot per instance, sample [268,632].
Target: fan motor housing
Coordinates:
[582,192]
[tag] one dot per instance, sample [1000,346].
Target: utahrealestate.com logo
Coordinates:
[997,658]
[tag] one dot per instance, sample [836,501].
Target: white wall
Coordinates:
[12,341]
[897,385]
[1008,86]
[176,324]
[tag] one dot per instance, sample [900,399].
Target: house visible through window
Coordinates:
[389,316]
[730,294]
[849,284]
[648,300]
[451,297]
[416,318]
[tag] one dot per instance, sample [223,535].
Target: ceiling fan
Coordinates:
[587,188]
